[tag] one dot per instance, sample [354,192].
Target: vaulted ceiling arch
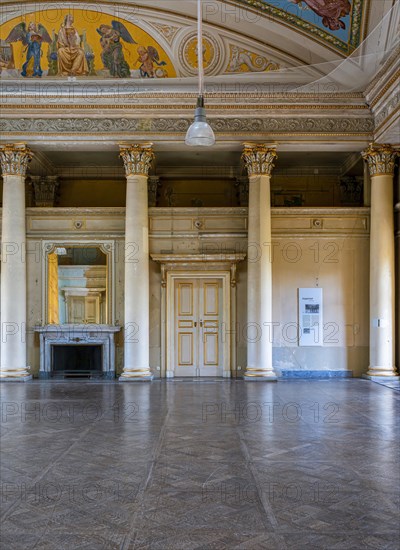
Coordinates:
[242,36]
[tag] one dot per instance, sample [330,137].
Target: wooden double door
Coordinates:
[198,316]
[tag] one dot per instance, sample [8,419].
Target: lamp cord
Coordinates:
[200,46]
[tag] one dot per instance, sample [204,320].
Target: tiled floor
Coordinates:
[205,465]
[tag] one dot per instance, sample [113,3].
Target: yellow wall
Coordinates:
[92,193]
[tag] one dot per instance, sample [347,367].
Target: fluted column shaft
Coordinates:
[381,160]
[14,162]
[137,160]
[259,161]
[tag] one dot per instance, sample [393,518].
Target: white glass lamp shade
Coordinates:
[200,132]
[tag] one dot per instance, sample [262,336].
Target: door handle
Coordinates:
[201,323]
[195,324]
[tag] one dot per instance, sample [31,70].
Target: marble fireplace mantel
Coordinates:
[74,334]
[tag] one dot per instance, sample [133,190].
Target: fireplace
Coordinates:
[77,351]
[76,361]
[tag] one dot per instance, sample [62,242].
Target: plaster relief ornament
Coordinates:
[31,37]
[112,53]
[188,53]
[331,11]
[168,31]
[245,61]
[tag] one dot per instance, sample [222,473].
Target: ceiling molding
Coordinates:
[238,128]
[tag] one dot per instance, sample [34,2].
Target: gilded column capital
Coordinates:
[380,159]
[259,158]
[137,158]
[14,158]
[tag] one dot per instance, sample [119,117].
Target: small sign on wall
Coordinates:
[310,317]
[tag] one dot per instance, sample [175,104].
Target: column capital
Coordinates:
[137,158]
[259,158]
[14,158]
[153,184]
[45,190]
[380,159]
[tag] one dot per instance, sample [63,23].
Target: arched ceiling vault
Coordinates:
[244,36]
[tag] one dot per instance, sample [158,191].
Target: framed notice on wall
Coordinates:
[310,317]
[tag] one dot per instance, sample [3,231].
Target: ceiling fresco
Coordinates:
[73,42]
[336,22]
[80,43]
[59,43]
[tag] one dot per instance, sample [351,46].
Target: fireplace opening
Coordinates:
[78,361]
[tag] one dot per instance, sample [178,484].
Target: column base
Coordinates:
[16,378]
[380,378]
[258,375]
[381,372]
[136,376]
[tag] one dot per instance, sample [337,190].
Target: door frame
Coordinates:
[169,351]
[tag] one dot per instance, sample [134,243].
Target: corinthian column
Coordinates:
[137,160]
[259,161]
[381,160]
[14,162]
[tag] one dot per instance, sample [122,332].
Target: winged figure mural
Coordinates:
[32,37]
[112,53]
[148,57]
[331,11]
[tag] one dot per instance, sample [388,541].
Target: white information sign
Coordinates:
[310,317]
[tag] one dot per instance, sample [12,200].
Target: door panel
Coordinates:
[185,349]
[76,310]
[210,345]
[92,310]
[185,328]
[210,303]
[198,318]
[185,299]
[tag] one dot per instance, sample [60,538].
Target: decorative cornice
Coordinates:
[231,257]
[298,106]
[134,98]
[117,126]
[137,158]
[383,73]
[380,159]
[71,211]
[390,108]
[394,80]
[259,158]
[14,159]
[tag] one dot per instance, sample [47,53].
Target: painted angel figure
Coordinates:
[112,54]
[31,37]
[147,57]
[331,11]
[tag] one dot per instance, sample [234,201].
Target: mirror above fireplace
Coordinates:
[78,284]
